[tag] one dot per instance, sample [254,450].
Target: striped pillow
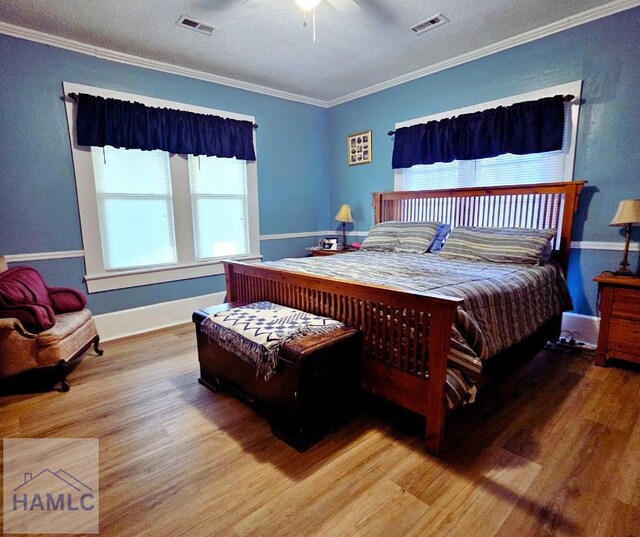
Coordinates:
[498,244]
[405,237]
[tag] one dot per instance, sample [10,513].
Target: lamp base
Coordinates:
[623,269]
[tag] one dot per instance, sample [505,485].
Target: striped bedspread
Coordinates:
[503,303]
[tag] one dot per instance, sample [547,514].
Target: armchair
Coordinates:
[44,331]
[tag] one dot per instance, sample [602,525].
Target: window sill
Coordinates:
[135,278]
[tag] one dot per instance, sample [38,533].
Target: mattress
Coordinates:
[503,303]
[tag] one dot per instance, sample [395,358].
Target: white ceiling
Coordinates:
[263,42]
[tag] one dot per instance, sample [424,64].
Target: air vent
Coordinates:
[429,24]
[192,24]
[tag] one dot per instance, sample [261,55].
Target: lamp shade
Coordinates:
[628,213]
[344,214]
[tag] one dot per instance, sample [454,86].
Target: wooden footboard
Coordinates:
[406,336]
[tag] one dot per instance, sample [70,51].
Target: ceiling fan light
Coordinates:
[307,5]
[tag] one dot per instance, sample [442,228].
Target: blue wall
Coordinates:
[39,210]
[302,171]
[605,54]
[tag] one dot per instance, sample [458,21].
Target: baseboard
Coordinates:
[584,328]
[119,324]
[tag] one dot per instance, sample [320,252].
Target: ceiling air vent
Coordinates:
[429,24]
[201,27]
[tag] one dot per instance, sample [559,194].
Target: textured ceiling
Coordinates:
[264,42]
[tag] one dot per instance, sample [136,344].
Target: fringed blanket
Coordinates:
[256,332]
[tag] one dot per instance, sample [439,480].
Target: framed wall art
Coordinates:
[359,148]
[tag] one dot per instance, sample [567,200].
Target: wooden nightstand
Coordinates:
[317,252]
[620,318]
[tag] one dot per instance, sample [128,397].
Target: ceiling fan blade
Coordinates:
[346,7]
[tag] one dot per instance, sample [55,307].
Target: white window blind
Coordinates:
[501,170]
[135,207]
[219,206]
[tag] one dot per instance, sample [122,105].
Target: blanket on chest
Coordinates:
[256,332]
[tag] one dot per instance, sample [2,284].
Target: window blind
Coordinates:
[135,207]
[502,170]
[219,206]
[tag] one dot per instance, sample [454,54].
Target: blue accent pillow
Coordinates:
[438,241]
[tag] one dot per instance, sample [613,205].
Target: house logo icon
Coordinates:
[51,486]
[52,491]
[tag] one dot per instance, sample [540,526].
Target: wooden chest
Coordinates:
[314,390]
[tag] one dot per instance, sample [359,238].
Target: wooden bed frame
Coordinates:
[405,333]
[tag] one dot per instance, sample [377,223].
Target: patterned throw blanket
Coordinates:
[256,332]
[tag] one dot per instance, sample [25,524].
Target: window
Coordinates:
[135,207]
[218,200]
[150,216]
[506,169]
[501,170]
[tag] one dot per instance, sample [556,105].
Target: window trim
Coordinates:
[570,88]
[96,277]
[195,197]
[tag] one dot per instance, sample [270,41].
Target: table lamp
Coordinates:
[344,216]
[628,215]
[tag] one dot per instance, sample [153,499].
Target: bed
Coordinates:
[411,332]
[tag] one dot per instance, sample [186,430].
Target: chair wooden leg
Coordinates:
[96,346]
[61,370]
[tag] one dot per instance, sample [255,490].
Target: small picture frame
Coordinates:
[330,244]
[359,148]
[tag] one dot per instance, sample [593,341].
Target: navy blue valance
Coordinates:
[133,125]
[522,128]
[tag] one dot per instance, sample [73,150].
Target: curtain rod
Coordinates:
[566,99]
[74,98]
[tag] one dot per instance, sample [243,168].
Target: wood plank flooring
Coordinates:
[551,449]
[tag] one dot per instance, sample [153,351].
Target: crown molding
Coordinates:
[138,61]
[544,31]
[570,22]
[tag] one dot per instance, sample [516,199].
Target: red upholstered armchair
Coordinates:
[44,331]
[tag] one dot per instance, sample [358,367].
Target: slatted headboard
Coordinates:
[549,205]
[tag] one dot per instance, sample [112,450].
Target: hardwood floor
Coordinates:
[551,449]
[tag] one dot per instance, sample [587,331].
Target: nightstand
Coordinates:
[317,252]
[620,318]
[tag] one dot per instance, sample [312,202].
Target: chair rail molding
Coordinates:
[65,254]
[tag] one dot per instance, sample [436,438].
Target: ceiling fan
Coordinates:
[346,7]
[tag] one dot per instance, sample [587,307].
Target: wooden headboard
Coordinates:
[535,206]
